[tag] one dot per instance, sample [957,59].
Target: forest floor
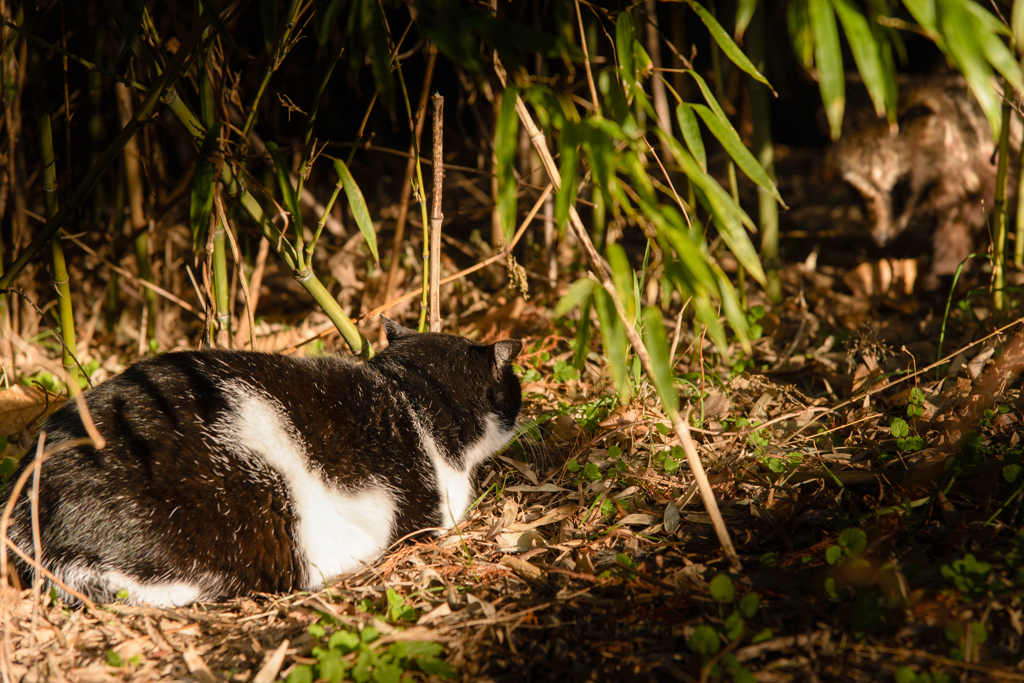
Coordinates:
[874,497]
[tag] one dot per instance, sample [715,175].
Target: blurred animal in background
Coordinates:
[931,175]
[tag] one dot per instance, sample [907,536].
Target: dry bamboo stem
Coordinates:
[436,217]
[707,494]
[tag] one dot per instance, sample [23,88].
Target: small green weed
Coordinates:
[350,654]
[967,639]
[915,408]
[968,575]
[783,464]
[707,640]
[851,544]
[907,675]
[901,431]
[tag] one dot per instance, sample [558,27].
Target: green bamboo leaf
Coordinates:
[326,17]
[924,13]
[377,43]
[1017,23]
[569,174]
[801,36]
[506,138]
[708,97]
[656,341]
[203,185]
[865,51]
[988,29]
[218,28]
[268,15]
[291,202]
[744,13]
[622,276]
[728,216]
[730,140]
[729,47]
[616,347]
[131,27]
[691,134]
[733,311]
[962,42]
[624,38]
[987,20]
[828,58]
[357,203]
[578,293]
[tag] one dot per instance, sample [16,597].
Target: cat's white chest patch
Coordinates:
[455,485]
[337,531]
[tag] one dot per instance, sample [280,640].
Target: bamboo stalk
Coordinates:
[136,210]
[999,217]
[61,280]
[113,150]
[436,217]
[1018,245]
[682,429]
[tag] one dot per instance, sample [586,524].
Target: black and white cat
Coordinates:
[227,472]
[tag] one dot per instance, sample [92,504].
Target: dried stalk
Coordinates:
[436,217]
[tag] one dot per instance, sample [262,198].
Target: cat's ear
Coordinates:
[502,353]
[393,330]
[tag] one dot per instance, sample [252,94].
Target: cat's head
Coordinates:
[478,374]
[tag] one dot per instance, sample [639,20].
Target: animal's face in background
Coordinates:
[936,156]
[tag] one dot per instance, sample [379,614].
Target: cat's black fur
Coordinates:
[196,494]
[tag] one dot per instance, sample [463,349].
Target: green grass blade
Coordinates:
[357,203]
[728,45]
[828,58]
